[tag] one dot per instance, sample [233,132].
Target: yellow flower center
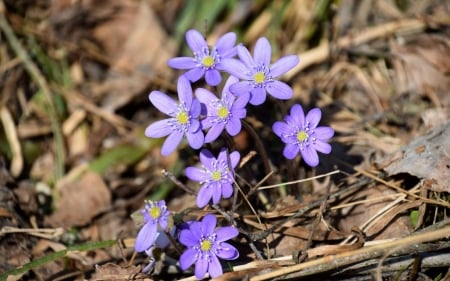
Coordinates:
[259,77]
[155,212]
[223,112]
[302,136]
[208,61]
[205,245]
[182,117]
[216,175]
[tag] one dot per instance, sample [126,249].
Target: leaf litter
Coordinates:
[380,74]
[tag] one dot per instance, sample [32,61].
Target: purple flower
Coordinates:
[183,118]
[223,113]
[215,176]
[156,218]
[258,75]
[204,244]
[301,134]
[205,62]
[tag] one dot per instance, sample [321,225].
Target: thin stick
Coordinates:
[299,181]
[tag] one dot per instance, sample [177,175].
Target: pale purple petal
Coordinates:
[208,122]
[215,268]
[216,186]
[195,108]
[279,90]
[313,117]
[233,126]
[239,113]
[324,133]
[204,196]
[223,155]
[258,96]
[230,81]
[240,88]
[283,65]
[201,267]
[195,40]
[207,158]
[194,74]
[226,233]
[322,146]
[158,129]
[242,100]
[298,115]
[281,128]
[182,63]
[187,238]
[146,237]
[214,132]
[262,52]
[227,190]
[194,173]
[213,77]
[163,102]
[245,57]
[194,127]
[171,143]
[227,252]
[225,42]
[195,140]
[235,68]
[184,89]
[187,258]
[234,158]
[291,150]
[205,96]
[195,227]
[310,156]
[208,224]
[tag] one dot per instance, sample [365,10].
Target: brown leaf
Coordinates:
[80,201]
[427,157]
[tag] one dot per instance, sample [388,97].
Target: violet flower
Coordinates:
[205,243]
[156,218]
[205,62]
[224,113]
[215,176]
[183,118]
[301,134]
[258,75]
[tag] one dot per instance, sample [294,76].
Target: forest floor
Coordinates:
[76,167]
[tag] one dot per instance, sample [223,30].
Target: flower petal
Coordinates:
[205,96]
[171,143]
[227,190]
[310,156]
[182,63]
[214,267]
[233,126]
[226,233]
[258,96]
[227,252]
[283,65]
[214,132]
[195,174]
[313,117]
[195,40]
[188,239]
[225,42]
[262,52]
[146,237]
[298,115]
[188,258]
[245,57]
[158,129]
[194,74]
[184,89]
[163,102]
[235,68]
[241,88]
[217,193]
[195,110]
[234,158]
[322,147]
[230,81]
[208,224]
[213,77]
[201,267]
[204,195]
[242,100]
[324,133]
[280,128]
[195,140]
[207,158]
[291,150]
[279,90]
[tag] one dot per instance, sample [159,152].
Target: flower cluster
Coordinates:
[201,116]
